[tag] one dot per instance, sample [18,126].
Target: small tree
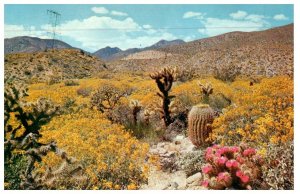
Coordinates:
[107,98]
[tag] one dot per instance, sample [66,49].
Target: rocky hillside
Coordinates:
[26,44]
[268,52]
[109,53]
[53,65]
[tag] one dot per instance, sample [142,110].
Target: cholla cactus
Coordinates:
[199,119]
[30,116]
[206,91]
[50,179]
[106,98]
[147,115]
[232,167]
[164,80]
[136,107]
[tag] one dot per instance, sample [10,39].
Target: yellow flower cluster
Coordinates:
[261,114]
[112,158]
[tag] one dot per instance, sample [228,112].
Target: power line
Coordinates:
[144,29]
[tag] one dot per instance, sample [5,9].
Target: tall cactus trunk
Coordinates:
[166,117]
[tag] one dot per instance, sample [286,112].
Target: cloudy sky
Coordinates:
[92,27]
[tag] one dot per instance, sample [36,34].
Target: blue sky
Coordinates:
[126,26]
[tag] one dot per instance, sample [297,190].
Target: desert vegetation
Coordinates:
[105,133]
[216,113]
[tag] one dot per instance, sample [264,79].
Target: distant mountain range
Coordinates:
[26,44]
[269,52]
[109,53]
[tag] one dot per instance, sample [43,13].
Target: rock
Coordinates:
[174,129]
[179,137]
[172,186]
[194,178]
[162,151]
[168,154]
[177,142]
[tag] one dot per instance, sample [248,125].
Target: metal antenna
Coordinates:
[54,18]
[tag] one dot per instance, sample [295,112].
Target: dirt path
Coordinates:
[170,178]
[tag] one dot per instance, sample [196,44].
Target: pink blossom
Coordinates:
[209,157]
[224,176]
[222,160]
[226,149]
[209,150]
[205,183]
[240,159]
[232,164]
[249,152]
[235,149]
[221,176]
[244,178]
[207,169]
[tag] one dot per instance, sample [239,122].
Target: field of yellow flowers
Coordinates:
[110,143]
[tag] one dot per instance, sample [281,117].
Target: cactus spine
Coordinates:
[199,119]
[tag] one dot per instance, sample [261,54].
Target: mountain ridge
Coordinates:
[27,44]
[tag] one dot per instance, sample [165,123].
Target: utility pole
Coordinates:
[54,18]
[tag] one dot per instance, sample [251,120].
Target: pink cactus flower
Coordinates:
[221,176]
[249,152]
[234,149]
[209,150]
[239,173]
[244,178]
[222,160]
[207,169]
[232,164]
[226,149]
[205,183]
[240,159]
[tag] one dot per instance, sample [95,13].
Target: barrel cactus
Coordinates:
[199,119]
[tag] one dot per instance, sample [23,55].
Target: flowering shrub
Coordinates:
[231,167]
[261,114]
[112,158]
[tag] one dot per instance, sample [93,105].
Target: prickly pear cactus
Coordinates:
[199,119]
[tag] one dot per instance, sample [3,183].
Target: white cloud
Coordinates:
[238,15]
[11,31]
[191,14]
[216,26]
[97,32]
[256,18]
[104,11]
[118,13]
[100,10]
[149,29]
[280,17]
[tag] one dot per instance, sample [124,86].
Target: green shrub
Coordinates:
[71,83]
[85,92]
